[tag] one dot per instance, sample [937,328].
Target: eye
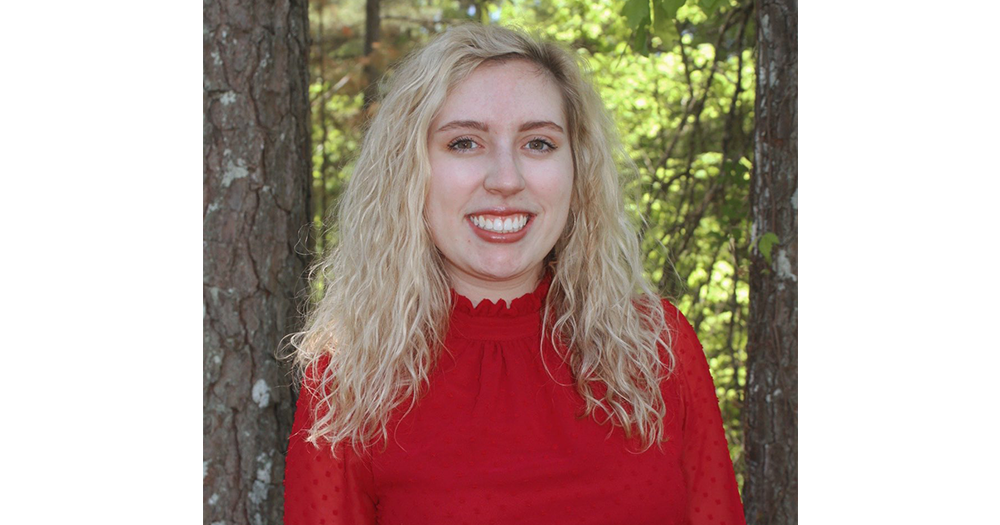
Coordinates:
[540,145]
[463,144]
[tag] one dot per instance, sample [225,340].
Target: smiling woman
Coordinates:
[487,350]
[501,179]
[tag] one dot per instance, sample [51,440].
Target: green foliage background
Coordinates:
[679,78]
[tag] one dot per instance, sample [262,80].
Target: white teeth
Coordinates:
[508,225]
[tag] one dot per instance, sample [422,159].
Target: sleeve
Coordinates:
[713,497]
[319,488]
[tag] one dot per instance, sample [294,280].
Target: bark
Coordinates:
[771,410]
[256,196]
[373,23]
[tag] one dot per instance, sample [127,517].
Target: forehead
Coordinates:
[512,90]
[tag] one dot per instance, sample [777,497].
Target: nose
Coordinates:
[504,177]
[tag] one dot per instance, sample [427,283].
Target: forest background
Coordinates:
[680,78]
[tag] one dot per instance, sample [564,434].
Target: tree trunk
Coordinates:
[256,197]
[771,411]
[373,24]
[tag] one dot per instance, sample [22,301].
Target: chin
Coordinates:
[499,274]
[500,270]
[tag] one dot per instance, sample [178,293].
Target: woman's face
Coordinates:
[501,175]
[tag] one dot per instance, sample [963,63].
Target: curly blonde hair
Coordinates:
[372,340]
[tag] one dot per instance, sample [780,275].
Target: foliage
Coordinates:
[765,243]
[656,18]
[679,78]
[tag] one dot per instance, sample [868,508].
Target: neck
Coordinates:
[478,289]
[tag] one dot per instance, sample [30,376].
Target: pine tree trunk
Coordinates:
[771,412]
[256,197]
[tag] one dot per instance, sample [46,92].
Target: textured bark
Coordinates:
[256,197]
[771,411]
[373,24]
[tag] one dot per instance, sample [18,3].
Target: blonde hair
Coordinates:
[373,338]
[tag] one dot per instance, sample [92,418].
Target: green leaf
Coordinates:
[669,8]
[709,6]
[636,13]
[663,20]
[765,243]
[641,39]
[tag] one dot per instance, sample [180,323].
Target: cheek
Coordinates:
[447,196]
[441,229]
[438,190]
[451,182]
[557,189]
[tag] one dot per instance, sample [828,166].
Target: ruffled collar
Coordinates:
[528,304]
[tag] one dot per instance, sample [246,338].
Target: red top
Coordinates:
[496,440]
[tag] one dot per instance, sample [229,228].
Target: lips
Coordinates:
[500,227]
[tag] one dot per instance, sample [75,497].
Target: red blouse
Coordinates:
[496,440]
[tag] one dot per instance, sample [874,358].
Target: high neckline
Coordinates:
[527,304]
[496,321]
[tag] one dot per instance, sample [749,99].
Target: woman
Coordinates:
[487,350]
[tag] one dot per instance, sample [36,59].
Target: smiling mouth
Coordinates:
[507,224]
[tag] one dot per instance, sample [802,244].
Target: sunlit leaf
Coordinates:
[636,13]
[669,7]
[663,22]
[765,243]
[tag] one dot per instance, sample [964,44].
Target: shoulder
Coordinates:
[685,348]
[682,336]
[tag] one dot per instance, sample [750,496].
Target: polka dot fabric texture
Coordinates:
[497,440]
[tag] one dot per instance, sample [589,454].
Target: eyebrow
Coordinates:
[535,124]
[457,124]
[481,126]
